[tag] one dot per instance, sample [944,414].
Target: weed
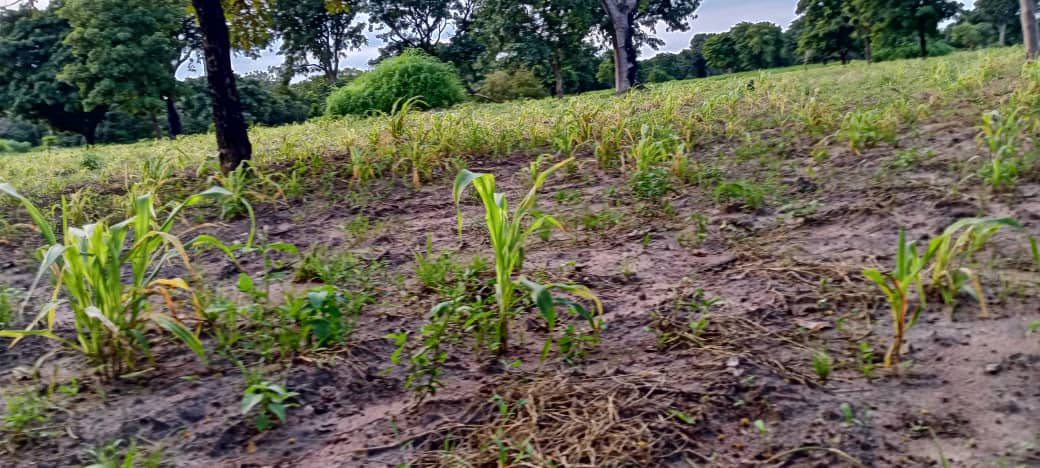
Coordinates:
[600,220]
[272,399]
[866,359]
[748,194]
[112,455]
[651,184]
[822,364]
[342,269]
[433,269]
[23,413]
[7,312]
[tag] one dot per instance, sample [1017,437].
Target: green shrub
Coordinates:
[11,146]
[502,85]
[411,74]
[909,48]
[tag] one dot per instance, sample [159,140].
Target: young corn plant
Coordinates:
[110,315]
[897,287]
[1001,133]
[960,240]
[509,230]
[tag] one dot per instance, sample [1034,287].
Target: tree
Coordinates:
[1029,29]
[626,17]
[748,46]
[1000,13]
[233,145]
[696,51]
[825,29]
[308,29]
[32,53]
[545,31]
[415,24]
[720,51]
[123,50]
[918,17]
[968,35]
[863,17]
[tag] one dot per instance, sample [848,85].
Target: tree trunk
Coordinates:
[557,69]
[1029,29]
[868,50]
[922,40]
[90,122]
[622,15]
[844,57]
[155,126]
[173,118]
[232,134]
[1002,29]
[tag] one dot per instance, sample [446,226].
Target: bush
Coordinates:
[504,85]
[411,74]
[910,49]
[11,146]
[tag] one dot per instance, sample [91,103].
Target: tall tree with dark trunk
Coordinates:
[537,33]
[32,54]
[232,134]
[919,18]
[626,17]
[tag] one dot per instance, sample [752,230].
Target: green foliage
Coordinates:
[112,455]
[315,34]
[272,399]
[32,54]
[969,35]
[11,146]
[905,49]
[827,30]
[502,85]
[23,413]
[110,315]
[748,46]
[123,50]
[748,194]
[651,184]
[822,364]
[264,102]
[413,74]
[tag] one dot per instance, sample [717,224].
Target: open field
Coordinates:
[724,224]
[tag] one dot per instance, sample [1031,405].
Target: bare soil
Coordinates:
[790,283]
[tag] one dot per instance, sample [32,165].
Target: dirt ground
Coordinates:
[788,277]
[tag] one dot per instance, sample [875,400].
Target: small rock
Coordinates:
[993,368]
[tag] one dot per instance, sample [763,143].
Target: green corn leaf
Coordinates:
[37,216]
[178,329]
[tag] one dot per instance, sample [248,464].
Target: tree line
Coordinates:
[107,67]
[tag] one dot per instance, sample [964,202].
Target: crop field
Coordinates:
[811,266]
